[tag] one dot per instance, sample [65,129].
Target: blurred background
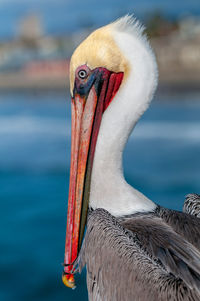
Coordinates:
[37,38]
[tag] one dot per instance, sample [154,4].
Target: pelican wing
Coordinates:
[173,252]
[139,259]
[192,204]
[185,224]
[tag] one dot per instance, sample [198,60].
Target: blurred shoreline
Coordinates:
[20,82]
[35,61]
[13,82]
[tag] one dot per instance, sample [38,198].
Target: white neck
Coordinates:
[109,190]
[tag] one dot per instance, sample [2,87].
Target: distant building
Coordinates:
[30,28]
[47,69]
[189,27]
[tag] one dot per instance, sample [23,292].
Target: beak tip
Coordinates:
[68,280]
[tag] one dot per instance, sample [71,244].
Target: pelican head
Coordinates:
[113,75]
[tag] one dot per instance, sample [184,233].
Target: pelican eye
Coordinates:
[82,74]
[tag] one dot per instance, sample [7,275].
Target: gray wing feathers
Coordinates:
[184,224]
[192,204]
[177,256]
[123,266]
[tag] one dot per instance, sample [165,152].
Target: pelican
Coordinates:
[133,248]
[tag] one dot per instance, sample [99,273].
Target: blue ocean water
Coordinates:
[161,159]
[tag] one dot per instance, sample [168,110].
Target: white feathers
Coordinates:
[129,24]
[135,30]
[109,189]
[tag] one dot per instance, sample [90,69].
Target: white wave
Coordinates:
[27,125]
[22,125]
[167,130]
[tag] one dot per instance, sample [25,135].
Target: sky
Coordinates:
[64,16]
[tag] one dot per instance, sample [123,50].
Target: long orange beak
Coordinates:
[91,97]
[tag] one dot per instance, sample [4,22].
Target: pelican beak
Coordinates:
[91,96]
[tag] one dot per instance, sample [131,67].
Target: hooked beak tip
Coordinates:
[68,280]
